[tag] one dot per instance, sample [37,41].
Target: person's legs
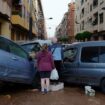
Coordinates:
[58,65]
[43,86]
[47,84]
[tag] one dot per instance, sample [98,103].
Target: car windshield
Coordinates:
[27,47]
[31,47]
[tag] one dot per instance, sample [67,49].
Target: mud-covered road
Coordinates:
[69,96]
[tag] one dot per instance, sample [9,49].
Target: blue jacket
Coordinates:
[57,51]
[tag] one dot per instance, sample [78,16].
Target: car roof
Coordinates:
[25,43]
[41,42]
[88,43]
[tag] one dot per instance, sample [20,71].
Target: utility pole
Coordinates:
[30,20]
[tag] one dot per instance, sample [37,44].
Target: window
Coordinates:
[82,1]
[95,20]
[101,2]
[32,47]
[82,25]
[70,55]
[95,3]
[101,18]
[102,55]
[89,55]
[36,48]
[15,49]
[90,7]
[82,12]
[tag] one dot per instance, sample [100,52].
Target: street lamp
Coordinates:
[50,18]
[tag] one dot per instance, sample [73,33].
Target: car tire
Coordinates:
[103,85]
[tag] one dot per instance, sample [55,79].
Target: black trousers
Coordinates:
[58,64]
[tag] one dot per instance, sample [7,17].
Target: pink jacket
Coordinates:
[45,61]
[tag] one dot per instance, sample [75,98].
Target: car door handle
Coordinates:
[14,58]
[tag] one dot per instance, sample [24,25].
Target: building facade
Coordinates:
[23,20]
[61,30]
[67,26]
[41,21]
[5,14]
[71,22]
[90,16]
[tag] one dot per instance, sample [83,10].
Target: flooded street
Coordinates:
[68,96]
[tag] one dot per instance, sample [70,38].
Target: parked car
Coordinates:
[32,47]
[65,45]
[85,63]
[15,63]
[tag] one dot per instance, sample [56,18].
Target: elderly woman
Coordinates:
[45,64]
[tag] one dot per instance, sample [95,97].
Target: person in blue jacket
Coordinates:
[57,50]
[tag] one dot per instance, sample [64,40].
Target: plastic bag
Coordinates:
[54,74]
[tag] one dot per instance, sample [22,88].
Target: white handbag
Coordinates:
[54,74]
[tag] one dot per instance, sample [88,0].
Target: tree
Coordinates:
[79,36]
[63,39]
[87,34]
[83,36]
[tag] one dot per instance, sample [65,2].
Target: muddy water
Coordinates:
[68,96]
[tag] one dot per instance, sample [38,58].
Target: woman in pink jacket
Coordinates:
[45,64]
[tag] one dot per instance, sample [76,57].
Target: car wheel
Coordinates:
[36,81]
[103,85]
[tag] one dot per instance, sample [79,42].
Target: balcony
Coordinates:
[17,18]
[19,21]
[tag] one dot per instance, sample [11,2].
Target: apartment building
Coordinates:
[41,21]
[23,20]
[5,14]
[90,16]
[61,29]
[71,21]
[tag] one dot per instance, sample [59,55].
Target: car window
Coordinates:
[102,55]
[89,54]
[15,49]
[70,55]
[4,44]
[36,48]
[28,47]
[32,47]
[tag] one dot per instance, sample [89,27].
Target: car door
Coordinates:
[4,56]
[20,69]
[89,65]
[69,69]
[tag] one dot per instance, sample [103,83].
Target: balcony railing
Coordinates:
[17,12]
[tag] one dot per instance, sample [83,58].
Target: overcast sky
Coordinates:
[55,9]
